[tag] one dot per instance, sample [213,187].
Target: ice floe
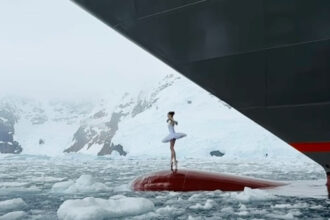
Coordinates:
[84,184]
[194,218]
[96,208]
[34,177]
[12,204]
[289,215]
[251,195]
[209,204]
[122,188]
[16,215]
[194,197]
[168,210]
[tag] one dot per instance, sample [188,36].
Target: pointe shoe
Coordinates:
[171,165]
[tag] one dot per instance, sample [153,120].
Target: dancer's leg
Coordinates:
[172,152]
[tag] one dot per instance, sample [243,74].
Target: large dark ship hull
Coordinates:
[269,59]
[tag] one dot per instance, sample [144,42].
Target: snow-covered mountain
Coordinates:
[7,128]
[133,124]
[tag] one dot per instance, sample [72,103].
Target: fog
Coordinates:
[54,48]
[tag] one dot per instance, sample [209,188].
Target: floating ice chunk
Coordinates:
[37,214]
[84,184]
[242,213]
[316,207]
[213,193]
[17,215]
[117,197]
[169,211]
[242,207]
[227,210]
[209,204]
[4,190]
[47,179]
[122,188]
[12,204]
[96,208]
[172,194]
[194,218]
[284,216]
[194,197]
[165,210]
[3,119]
[149,215]
[60,186]
[12,184]
[290,206]
[251,195]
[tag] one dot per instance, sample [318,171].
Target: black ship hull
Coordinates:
[269,59]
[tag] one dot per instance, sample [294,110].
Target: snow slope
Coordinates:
[137,122]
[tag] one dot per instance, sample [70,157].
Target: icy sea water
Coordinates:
[34,187]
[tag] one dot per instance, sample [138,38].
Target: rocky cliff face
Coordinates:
[97,131]
[27,123]
[43,122]
[7,131]
[98,134]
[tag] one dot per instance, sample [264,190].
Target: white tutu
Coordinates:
[170,137]
[173,134]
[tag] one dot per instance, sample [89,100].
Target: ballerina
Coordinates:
[172,137]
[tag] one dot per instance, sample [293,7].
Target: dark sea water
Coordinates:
[35,187]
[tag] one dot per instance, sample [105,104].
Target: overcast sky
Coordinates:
[54,48]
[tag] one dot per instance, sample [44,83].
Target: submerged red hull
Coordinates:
[189,180]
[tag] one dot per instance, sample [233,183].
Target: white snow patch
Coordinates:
[96,208]
[209,204]
[85,183]
[219,127]
[251,195]
[122,188]
[242,207]
[194,218]
[169,211]
[12,184]
[3,119]
[290,206]
[289,215]
[14,215]
[57,136]
[47,179]
[12,204]
[6,190]
[227,210]
[173,194]
[194,197]
[165,210]
[302,188]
